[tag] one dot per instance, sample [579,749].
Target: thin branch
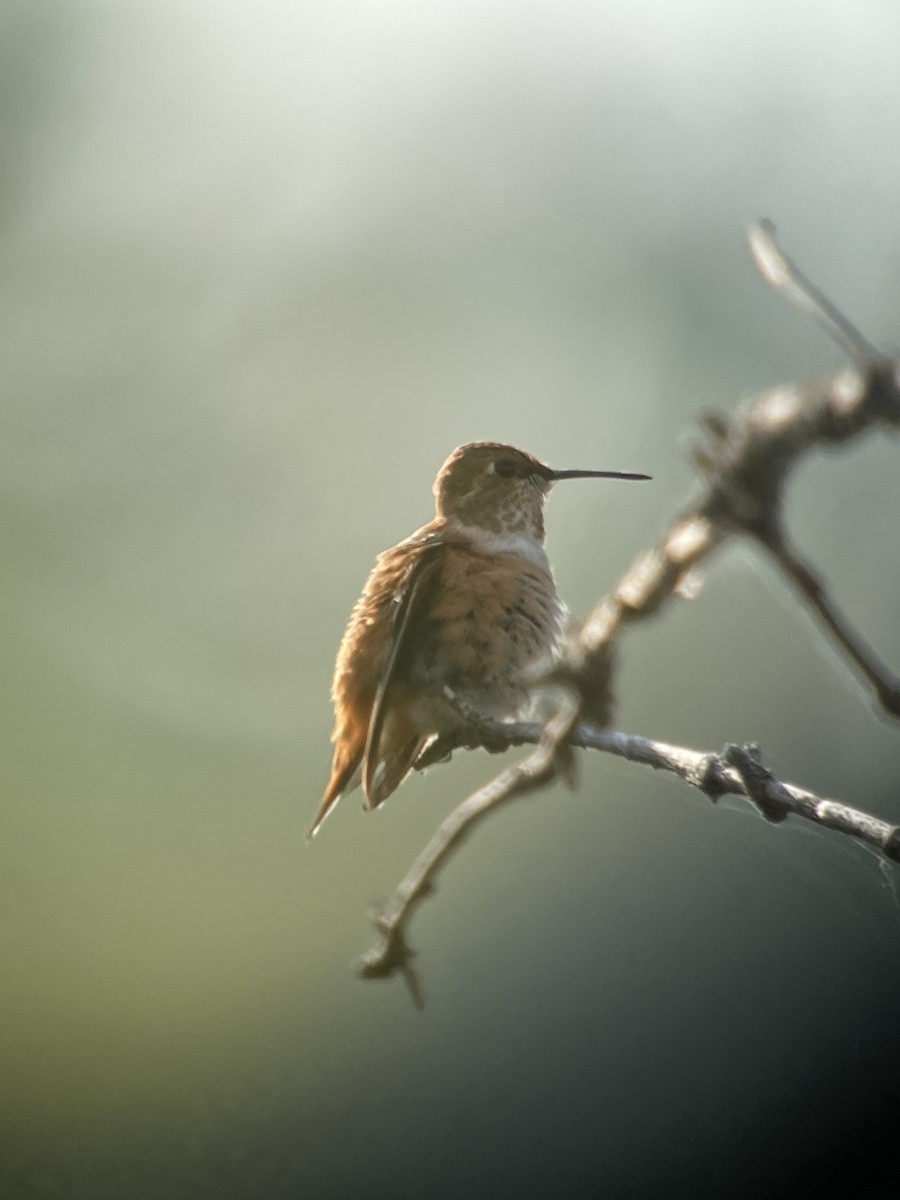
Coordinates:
[714,774]
[736,771]
[391,952]
[783,274]
[814,591]
[744,463]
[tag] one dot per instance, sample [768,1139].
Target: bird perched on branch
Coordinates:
[458,615]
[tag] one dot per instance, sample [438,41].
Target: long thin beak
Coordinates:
[553,476]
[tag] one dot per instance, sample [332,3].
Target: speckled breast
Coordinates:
[491,619]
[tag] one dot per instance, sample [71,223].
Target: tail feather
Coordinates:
[381,769]
[392,769]
[344,778]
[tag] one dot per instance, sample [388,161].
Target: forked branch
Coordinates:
[736,771]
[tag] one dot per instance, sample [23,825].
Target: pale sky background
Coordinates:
[261,269]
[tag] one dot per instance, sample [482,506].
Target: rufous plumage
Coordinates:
[460,615]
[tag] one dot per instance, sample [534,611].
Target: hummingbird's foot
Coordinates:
[476,731]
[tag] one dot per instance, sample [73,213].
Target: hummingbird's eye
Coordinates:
[505,468]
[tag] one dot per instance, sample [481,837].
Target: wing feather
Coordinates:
[410,606]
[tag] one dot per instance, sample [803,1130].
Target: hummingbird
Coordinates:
[465,609]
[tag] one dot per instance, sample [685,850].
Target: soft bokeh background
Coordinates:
[261,268]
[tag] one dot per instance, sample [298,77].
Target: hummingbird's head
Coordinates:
[500,489]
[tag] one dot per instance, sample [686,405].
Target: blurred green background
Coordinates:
[261,269]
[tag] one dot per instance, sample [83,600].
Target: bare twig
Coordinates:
[392,952]
[551,758]
[736,771]
[814,591]
[744,463]
[783,274]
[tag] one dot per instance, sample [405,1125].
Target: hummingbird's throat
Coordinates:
[516,544]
